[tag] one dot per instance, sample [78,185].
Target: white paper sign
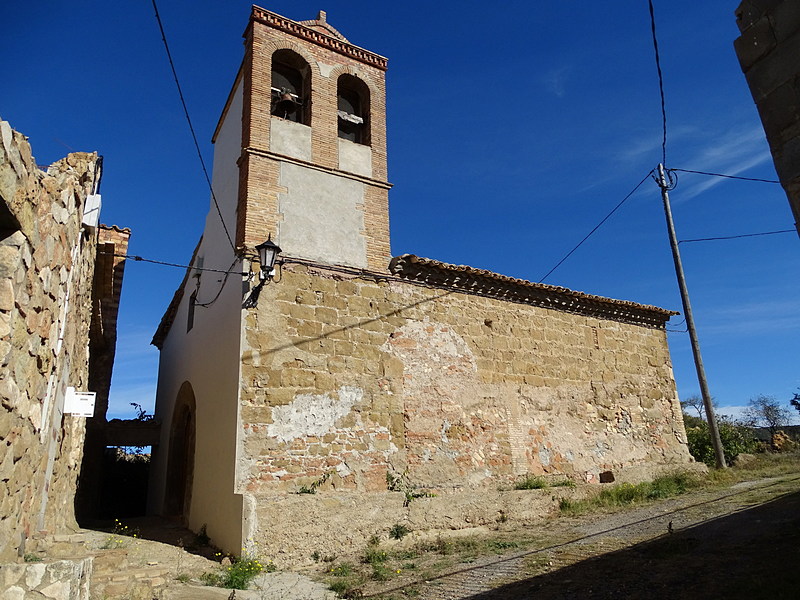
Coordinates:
[79,404]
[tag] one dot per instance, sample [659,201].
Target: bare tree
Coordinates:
[766,411]
[696,402]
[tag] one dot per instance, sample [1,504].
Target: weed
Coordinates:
[30,558]
[381,572]
[347,588]
[239,574]
[563,483]
[312,489]
[183,578]
[400,483]
[531,482]
[625,494]
[342,570]
[398,532]
[118,534]
[501,545]
[374,556]
[202,539]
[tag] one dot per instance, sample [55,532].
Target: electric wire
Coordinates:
[135,258]
[596,227]
[733,237]
[221,287]
[191,127]
[727,176]
[660,84]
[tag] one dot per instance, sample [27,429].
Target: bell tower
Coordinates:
[312,167]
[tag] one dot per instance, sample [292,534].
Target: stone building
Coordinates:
[51,306]
[769,54]
[367,380]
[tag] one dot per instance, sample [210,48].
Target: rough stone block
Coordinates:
[754,43]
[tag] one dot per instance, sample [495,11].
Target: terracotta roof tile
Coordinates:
[487,283]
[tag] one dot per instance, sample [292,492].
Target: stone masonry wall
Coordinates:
[768,52]
[346,379]
[45,259]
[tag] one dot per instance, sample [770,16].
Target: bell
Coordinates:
[285,104]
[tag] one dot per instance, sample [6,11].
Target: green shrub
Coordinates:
[736,439]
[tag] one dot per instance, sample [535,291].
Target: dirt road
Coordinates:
[741,542]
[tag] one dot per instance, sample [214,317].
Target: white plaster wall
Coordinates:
[355,158]
[290,138]
[208,358]
[323,217]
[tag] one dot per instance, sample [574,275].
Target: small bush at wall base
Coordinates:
[398,532]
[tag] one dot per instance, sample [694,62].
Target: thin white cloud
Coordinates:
[555,81]
[754,318]
[731,153]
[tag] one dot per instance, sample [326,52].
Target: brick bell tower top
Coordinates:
[312,169]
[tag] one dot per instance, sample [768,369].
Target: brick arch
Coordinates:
[357,73]
[271,47]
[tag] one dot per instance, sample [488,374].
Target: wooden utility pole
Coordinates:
[687,311]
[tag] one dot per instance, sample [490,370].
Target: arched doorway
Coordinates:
[180,464]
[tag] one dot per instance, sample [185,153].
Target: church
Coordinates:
[315,391]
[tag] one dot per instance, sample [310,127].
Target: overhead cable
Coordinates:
[733,237]
[191,128]
[727,176]
[169,264]
[660,85]
[596,227]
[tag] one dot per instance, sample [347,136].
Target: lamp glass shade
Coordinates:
[267,253]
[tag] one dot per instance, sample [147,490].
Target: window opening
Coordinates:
[353,109]
[190,315]
[290,89]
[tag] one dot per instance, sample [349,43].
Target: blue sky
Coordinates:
[513,129]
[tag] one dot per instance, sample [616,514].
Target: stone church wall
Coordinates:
[768,51]
[45,259]
[346,379]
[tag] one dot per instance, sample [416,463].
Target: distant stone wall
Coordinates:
[769,54]
[347,378]
[46,269]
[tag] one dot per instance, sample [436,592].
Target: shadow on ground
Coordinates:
[753,554]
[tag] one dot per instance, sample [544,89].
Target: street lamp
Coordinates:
[267,254]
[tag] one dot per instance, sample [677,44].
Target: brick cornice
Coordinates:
[306,33]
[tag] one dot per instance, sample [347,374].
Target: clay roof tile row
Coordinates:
[489,283]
